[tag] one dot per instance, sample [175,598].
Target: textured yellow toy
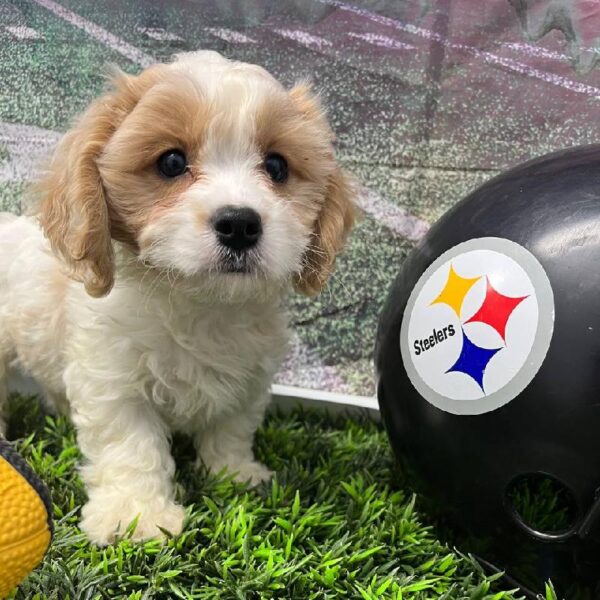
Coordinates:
[25,519]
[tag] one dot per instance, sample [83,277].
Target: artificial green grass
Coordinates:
[333,523]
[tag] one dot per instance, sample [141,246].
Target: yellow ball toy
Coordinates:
[25,519]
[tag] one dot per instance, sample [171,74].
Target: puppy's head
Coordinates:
[207,169]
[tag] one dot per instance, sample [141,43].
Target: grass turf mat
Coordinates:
[333,523]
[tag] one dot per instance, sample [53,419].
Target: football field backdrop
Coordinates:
[428,98]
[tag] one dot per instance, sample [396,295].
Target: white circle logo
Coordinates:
[477,326]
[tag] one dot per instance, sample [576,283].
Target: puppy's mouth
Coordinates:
[238,262]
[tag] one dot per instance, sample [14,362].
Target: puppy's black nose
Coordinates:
[237,228]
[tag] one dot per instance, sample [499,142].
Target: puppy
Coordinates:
[178,212]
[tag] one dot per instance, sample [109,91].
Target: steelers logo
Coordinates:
[477,326]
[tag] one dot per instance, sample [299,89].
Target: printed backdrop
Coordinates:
[428,98]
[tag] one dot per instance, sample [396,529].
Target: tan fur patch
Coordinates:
[73,211]
[170,116]
[295,126]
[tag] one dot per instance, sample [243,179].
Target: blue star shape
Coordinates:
[473,360]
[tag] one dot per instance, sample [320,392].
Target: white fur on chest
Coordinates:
[195,361]
[214,363]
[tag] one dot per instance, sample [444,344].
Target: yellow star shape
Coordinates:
[455,290]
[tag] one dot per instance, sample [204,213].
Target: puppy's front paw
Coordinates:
[103,520]
[252,472]
[244,471]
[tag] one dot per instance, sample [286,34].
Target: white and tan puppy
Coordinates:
[177,212]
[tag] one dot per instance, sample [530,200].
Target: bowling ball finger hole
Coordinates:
[542,505]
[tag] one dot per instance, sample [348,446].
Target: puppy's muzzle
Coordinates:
[238,229]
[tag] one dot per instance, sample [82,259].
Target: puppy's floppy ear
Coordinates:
[336,218]
[337,213]
[73,210]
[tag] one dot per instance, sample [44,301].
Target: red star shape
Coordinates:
[496,309]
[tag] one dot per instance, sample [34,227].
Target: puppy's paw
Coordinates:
[252,472]
[244,469]
[103,521]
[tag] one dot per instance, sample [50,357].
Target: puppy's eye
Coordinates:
[172,163]
[276,166]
